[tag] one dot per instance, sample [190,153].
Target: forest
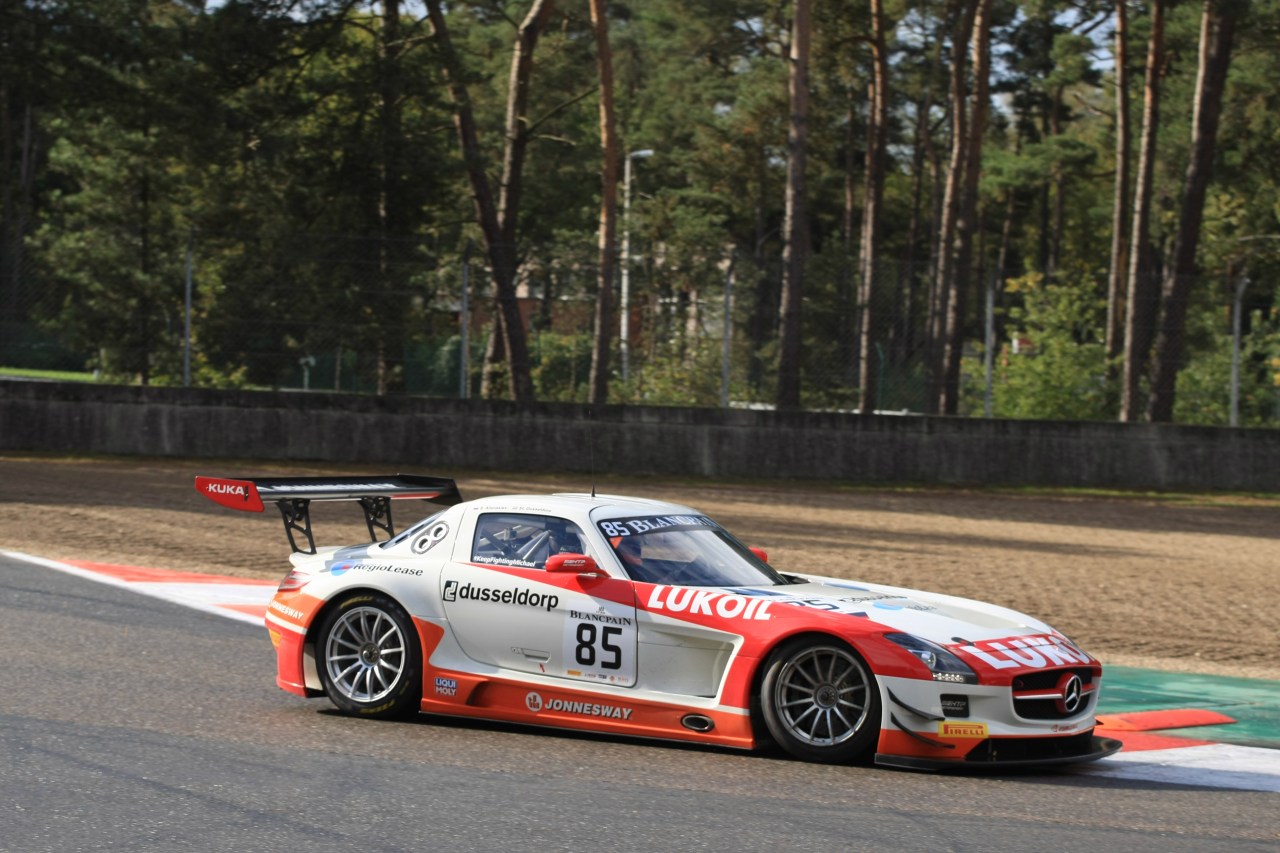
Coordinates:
[1050,209]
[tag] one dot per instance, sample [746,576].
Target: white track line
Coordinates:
[1218,765]
[216,598]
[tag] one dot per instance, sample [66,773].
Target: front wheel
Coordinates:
[820,701]
[370,660]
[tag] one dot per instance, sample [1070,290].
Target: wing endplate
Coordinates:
[233,494]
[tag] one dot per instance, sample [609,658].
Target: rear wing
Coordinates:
[293,496]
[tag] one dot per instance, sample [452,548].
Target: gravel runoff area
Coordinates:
[1178,582]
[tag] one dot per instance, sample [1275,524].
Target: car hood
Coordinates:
[943,619]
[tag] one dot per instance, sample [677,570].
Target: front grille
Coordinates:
[1039,695]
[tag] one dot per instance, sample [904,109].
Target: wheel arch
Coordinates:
[310,669]
[761,666]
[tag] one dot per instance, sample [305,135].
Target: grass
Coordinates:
[54,375]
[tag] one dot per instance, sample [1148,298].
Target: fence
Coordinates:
[354,314]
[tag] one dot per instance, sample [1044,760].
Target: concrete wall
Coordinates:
[425,435]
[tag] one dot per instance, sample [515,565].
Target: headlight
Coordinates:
[944,665]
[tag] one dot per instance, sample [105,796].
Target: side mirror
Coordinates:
[577,564]
[759,552]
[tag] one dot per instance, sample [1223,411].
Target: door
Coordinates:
[504,609]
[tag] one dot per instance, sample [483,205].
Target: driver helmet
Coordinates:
[564,539]
[628,550]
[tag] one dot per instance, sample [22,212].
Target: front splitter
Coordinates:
[1100,747]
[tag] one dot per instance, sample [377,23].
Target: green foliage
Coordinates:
[562,366]
[829,363]
[113,254]
[1204,386]
[29,345]
[1059,371]
[677,374]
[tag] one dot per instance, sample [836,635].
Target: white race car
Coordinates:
[644,618]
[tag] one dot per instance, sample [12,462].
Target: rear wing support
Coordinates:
[375,510]
[293,497]
[297,519]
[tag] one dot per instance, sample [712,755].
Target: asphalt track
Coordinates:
[131,723]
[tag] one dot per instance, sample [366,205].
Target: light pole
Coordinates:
[624,332]
[1237,307]
[464,328]
[186,317]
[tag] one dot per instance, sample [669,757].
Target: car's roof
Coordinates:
[600,506]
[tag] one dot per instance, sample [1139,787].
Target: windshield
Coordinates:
[685,550]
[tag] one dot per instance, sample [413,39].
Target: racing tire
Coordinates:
[820,701]
[370,660]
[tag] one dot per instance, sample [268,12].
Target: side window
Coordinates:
[517,539]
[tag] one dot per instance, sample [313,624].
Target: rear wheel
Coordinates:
[370,660]
[820,701]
